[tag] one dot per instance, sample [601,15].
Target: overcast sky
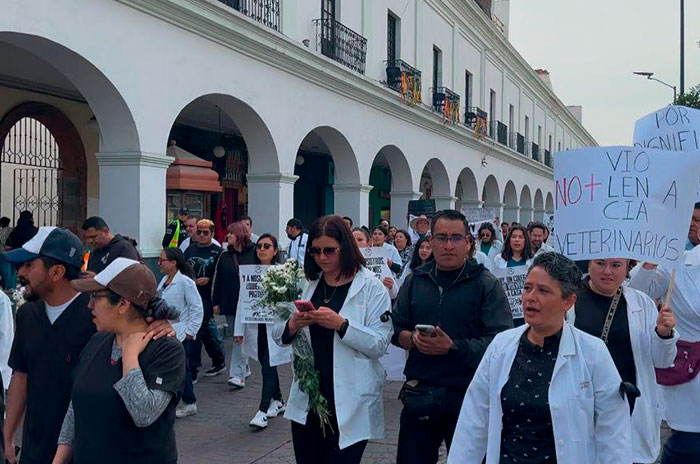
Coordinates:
[591,48]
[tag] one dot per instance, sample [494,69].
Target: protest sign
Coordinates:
[251,293]
[375,261]
[513,280]
[624,202]
[476,215]
[673,128]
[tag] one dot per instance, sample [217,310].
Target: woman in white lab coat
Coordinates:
[258,344]
[363,241]
[639,338]
[545,390]
[348,337]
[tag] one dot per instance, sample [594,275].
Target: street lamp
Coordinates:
[649,75]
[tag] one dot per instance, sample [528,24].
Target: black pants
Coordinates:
[311,447]
[188,396]
[204,336]
[270,379]
[420,440]
[682,448]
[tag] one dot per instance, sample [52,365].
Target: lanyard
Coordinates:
[611,315]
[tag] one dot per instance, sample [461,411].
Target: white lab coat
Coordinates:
[481,258]
[685,302]
[495,250]
[358,376]
[544,249]
[7,335]
[590,419]
[296,249]
[500,263]
[393,253]
[278,354]
[182,293]
[649,351]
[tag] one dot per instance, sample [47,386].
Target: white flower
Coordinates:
[281,290]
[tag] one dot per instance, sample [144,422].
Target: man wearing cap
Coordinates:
[420,227]
[51,330]
[297,247]
[176,233]
[108,246]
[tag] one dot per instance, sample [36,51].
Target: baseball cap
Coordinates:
[127,278]
[52,242]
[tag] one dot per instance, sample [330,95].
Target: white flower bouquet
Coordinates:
[18,296]
[282,285]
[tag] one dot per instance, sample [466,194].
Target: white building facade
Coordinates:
[293,81]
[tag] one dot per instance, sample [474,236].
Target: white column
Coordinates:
[132,196]
[352,200]
[510,213]
[525,215]
[399,207]
[444,202]
[271,202]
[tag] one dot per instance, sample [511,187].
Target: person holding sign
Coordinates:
[379,236]
[178,289]
[639,339]
[363,241]
[487,243]
[257,343]
[516,252]
[545,391]
[345,302]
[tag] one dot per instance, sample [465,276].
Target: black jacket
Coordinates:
[226,283]
[471,311]
[170,233]
[118,247]
[22,233]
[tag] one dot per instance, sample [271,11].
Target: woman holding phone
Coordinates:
[348,337]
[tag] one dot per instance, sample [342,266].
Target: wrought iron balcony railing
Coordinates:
[535,151]
[520,144]
[266,12]
[502,133]
[405,79]
[446,101]
[512,140]
[493,129]
[340,43]
[474,114]
[547,158]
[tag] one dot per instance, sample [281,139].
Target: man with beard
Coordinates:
[108,246]
[52,329]
[537,232]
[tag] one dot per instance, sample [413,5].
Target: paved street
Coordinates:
[219,432]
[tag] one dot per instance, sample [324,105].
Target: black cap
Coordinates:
[183,211]
[52,242]
[294,222]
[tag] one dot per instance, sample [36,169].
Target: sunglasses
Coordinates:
[327,251]
[260,246]
[204,232]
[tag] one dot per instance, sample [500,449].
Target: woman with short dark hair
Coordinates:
[545,391]
[348,337]
[126,385]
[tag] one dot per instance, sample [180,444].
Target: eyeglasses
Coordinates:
[203,232]
[441,239]
[260,246]
[328,251]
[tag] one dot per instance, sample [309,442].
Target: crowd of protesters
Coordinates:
[101,348]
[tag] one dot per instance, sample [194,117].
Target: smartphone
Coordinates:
[425,329]
[304,306]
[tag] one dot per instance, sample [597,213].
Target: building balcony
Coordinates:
[266,12]
[520,144]
[547,158]
[512,140]
[404,79]
[340,43]
[474,115]
[502,133]
[535,151]
[493,129]
[446,101]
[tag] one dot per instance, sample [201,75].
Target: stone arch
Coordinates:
[440,187]
[549,205]
[391,181]
[525,205]
[73,201]
[466,190]
[510,203]
[538,205]
[490,193]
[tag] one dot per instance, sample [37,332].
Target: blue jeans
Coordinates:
[9,275]
[188,396]
[681,448]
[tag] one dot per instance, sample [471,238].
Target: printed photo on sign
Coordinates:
[250,295]
[513,281]
[375,261]
[624,202]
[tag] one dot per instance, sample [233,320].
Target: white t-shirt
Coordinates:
[54,312]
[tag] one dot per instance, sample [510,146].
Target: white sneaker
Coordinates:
[236,382]
[259,421]
[247,373]
[276,408]
[184,410]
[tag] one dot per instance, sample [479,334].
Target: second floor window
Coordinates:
[392,39]
[437,68]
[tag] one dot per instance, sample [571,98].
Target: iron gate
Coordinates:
[32,172]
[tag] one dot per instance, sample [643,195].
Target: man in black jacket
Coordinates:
[176,232]
[467,307]
[108,246]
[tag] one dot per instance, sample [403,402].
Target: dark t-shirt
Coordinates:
[118,247]
[48,353]
[203,262]
[591,312]
[104,429]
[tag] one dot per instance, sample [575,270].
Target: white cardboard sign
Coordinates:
[476,215]
[624,202]
[375,261]
[513,281]
[250,276]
